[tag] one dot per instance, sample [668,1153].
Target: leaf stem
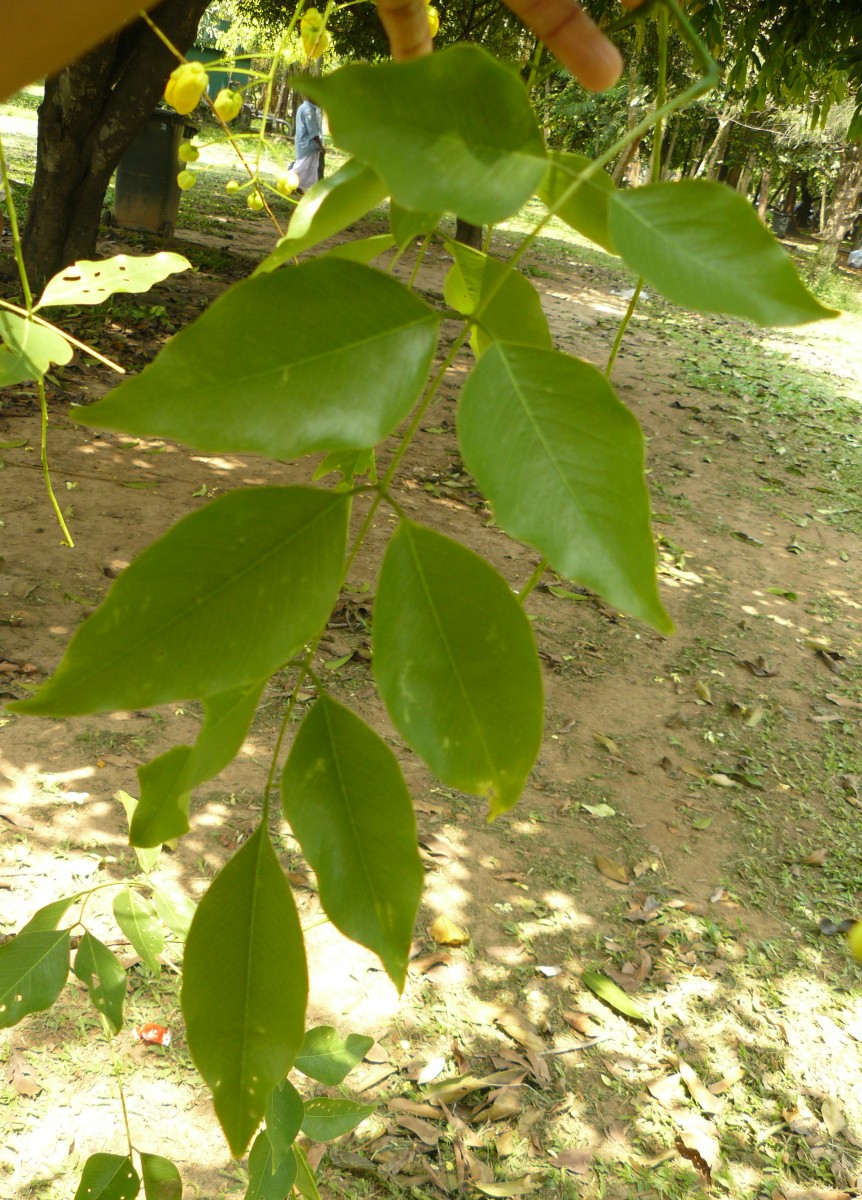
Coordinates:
[623,326]
[532,581]
[120,1089]
[43,456]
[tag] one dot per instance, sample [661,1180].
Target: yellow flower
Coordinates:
[185,86]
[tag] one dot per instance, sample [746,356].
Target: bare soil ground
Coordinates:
[693,818]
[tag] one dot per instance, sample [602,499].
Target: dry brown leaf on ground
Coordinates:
[698,1090]
[520,1028]
[426,1133]
[578,1162]
[668,1091]
[583,1023]
[606,743]
[506,1144]
[401,1104]
[732,1077]
[611,869]
[701,1147]
[833,1116]
[21,1076]
[513,1187]
[432,1070]
[502,1105]
[478,1170]
[815,859]
[815,1193]
[445,932]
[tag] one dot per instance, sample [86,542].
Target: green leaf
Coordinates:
[349,464]
[419,126]
[330,206]
[139,921]
[104,978]
[284,1113]
[175,910]
[562,462]
[586,210]
[29,349]
[147,858]
[266,1180]
[33,969]
[285,364]
[514,312]
[456,665]
[167,781]
[328,1059]
[608,991]
[350,810]
[362,250]
[702,246]
[245,987]
[169,629]
[88,282]
[327,1119]
[406,224]
[48,917]
[162,1180]
[305,1184]
[108,1177]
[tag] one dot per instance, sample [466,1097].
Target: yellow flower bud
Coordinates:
[228,104]
[185,86]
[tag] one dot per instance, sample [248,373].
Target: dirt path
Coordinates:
[662,839]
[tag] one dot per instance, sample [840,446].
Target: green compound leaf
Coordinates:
[104,978]
[49,917]
[562,462]
[326,1119]
[167,782]
[176,910]
[28,349]
[702,246]
[407,224]
[284,1113]
[327,208]
[350,810]
[456,665]
[162,1180]
[88,282]
[108,1177]
[147,858]
[514,312]
[363,250]
[139,921]
[613,995]
[245,986]
[285,364]
[169,630]
[328,1059]
[587,210]
[33,969]
[268,1180]
[419,126]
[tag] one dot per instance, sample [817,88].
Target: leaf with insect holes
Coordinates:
[108,1177]
[33,968]
[87,282]
[104,978]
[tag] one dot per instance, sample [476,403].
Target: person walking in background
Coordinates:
[310,150]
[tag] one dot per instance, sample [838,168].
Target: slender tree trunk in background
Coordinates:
[91,113]
[667,153]
[763,194]
[694,161]
[469,235]
[844,207]
[712,160]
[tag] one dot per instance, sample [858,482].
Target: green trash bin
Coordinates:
[146,192]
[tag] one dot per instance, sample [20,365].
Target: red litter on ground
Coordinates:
[153,1035]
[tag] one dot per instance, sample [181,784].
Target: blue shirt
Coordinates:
[309,125]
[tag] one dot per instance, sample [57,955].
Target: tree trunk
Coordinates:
[711,162]
[470,235]
[763,194]
[843,210]
[90,115]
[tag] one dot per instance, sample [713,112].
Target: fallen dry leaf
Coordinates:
[432,1069]
[610,869]
[698,1091]
[520,1028]
[701,1149]
[606,743]
[576,1161]
[504,1104]
[833,1116]
[429,1134]
[816,1193]
[722,1085]
[668,1091]
[445,932]
[506,1144]
[514,1187]
[21,1075]
[583,1023]
[815,859]
[478,1170]
[401,1104]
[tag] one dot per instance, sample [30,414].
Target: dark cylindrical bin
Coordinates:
[146,192]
